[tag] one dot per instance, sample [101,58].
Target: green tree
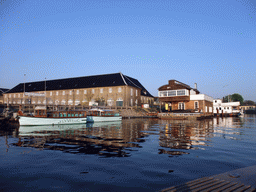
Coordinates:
[237,97]
[234,97]
[249,102]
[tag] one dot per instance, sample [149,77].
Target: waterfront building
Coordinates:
[2,91]
[178,96]
[112,90]
[247,107]
[227,108]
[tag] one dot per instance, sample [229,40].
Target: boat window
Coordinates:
[60,114]
[72,115]
[80,115]
[76,115]
[53,115]
[69,115]
[64,114]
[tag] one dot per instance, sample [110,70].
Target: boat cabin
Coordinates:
[102,113]
[41,112]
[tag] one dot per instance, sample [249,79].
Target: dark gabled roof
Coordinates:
[3,90]
[107,80]
[135,83]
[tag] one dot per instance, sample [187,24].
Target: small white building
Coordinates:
[229,108]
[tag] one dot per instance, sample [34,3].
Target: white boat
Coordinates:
[97,115]
[53,118]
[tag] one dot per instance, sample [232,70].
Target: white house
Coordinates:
[227,109]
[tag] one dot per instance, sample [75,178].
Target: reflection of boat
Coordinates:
[42,117]
[116,124]
[95,115]
[47,129]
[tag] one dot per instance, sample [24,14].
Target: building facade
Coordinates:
[179,96]
[113,90]
[2,91]
[228,108]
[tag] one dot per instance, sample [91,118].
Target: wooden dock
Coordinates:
[243,179]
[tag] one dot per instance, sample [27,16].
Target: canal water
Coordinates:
[132,155]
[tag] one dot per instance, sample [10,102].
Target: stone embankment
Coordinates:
[134,113]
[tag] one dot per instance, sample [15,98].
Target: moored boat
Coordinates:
[97,115]
[42,117]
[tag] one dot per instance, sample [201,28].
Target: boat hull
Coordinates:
[91,119]
[50,121]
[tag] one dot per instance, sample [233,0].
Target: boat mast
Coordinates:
[24,92]
[45,95]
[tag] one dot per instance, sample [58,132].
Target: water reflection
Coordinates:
[185,135]
[108,139]
[119,139]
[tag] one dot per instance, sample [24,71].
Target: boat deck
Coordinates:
[243,179]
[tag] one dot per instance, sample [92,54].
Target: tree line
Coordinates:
[237,97]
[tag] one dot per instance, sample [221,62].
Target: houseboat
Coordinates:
[97,115]
[43,117]
[226,108]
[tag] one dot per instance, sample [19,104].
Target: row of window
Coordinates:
[219,108]
[77,92]
[70,92]
[173,93]
[68,115]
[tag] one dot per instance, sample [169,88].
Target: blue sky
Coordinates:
[209,42]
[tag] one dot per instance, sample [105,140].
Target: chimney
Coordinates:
[195,85]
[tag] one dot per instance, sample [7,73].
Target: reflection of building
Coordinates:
[109,90]
[105,139]
[179,96]
[177,134]
[228,108]
[227,127]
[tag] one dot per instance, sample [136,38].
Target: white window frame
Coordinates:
[136,92]
[131,92]
[172,93]
[70,92]
[93,91]
[57,93]
[63,93]
[179,107]
[77,92]
[101,90]
[110,90]
[195,105]
[85,91]
[120,89]
[50,93]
